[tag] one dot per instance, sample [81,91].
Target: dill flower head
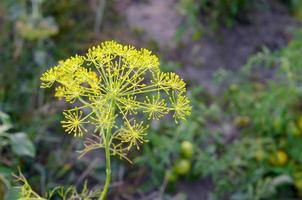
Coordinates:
[112,87]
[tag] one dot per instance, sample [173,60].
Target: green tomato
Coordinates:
[171,176]
[186,149]
[279,158]
[182,167]
[242,121]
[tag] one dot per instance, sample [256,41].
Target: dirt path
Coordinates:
[158,19]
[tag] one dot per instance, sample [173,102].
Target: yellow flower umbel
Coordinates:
[113,86]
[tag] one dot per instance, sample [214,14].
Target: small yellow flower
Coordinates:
[133,134]
[70,93]
[181,105]
[74,123]
[49,77]
[102,120]
[130,105]
[155,107]
[175,82]
[116,83]
[159,79]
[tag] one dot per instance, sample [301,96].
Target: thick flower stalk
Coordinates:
[112,87]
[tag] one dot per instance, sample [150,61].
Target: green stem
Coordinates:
[107,155]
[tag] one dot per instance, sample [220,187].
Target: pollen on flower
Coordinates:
[114,84]
[181,106]
[130,105]
[155,107]
[175,82]
[49,78]
[132,134]
[73,122]
[102,120]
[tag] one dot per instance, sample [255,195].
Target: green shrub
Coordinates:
[217,12]
[226,12]
[294,6]
[266,106]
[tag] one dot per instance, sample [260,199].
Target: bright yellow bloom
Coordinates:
[174,82]
[181,106]
[102,120]
[155,107]
[132,134]
[113,85]
[130,105]
[74,123]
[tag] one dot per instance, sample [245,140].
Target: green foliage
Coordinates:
[295,7]
[226,12]
[191,23]
[265,105]
[19,145]
[248,139]
[262,107]
[25,191]
[236,164]
[24,54]
[216,12]
[19,142]
[163,154]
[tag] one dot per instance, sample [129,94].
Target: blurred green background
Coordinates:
[240,58]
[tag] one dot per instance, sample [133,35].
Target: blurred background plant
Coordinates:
[215,14]
[226,12]
[295,7]
[264,103]
[13,147]
[31,33]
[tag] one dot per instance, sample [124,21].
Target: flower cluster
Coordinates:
[112,86]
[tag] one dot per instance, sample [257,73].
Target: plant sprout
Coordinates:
[111,88]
